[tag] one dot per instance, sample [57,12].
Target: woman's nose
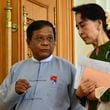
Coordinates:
[80,31]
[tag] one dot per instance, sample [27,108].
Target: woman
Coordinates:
[92,28]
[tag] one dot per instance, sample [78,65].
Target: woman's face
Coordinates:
[87,29]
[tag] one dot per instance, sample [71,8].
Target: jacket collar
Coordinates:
[44,60]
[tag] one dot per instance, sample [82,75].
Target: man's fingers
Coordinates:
[21,86]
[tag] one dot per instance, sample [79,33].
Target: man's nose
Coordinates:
[45,42]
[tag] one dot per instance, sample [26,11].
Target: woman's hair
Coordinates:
[93,12]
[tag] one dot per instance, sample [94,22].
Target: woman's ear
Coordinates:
[99,24]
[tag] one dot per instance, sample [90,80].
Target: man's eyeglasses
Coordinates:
[41,39]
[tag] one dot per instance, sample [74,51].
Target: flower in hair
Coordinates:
[108,20]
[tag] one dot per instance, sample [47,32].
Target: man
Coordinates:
[43,82]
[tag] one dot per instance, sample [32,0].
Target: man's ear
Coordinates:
[28,41]
[55,43]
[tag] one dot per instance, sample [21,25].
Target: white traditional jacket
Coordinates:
[52,82]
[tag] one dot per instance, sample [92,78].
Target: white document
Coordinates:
[94,69]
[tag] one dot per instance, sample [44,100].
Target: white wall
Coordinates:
[80,47]
[105,4]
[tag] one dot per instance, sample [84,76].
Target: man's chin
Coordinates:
[43,56]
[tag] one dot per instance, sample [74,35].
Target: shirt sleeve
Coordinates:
[75,104]
[8,96]
[102,94]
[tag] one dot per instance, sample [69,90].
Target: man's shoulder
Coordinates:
[62,60]
[64,64]
[22,62]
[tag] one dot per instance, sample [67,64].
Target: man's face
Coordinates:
[87,29]
[42,43]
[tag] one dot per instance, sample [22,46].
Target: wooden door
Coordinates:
[39,10]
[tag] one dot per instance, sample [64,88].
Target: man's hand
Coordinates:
[22,86]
